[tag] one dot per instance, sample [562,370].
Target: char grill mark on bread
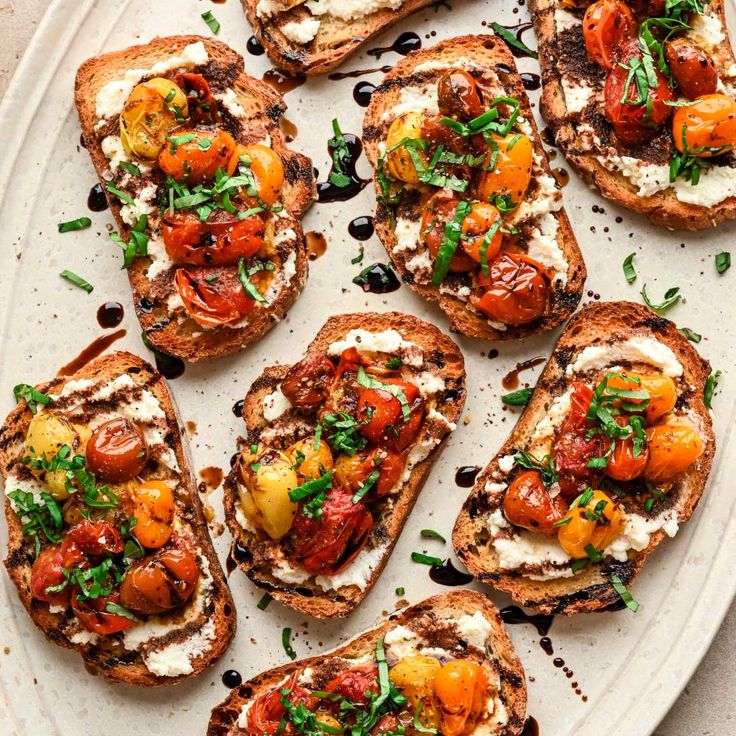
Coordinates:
[438,624]
[635,177]
[151,653]
[597,326]
[250,112]
[261,558]
[539,217]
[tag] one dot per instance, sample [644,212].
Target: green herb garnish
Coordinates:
[79,224]
[77,280]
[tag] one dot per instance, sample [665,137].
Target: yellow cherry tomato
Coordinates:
[512,171]
[399,164]
[310,462]
[574,536]
[153,507]
[476,226]
[414,677]
[706,127]
[661,389]
[47,434]
[460,687]
[673,448]
[267,168]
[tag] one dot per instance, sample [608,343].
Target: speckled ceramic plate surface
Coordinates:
[630,667]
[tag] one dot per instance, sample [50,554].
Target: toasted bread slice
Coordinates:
[162,649]
[572,101]
[411,85]
[298,38]
[250,112]
[462,624]
[551,587]
[436,359]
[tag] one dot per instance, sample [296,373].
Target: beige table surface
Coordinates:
[705,707]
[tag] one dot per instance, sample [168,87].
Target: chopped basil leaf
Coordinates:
[710,386]
[359,258]
[316,490]
[369,382]
[265,600]
[450,241]
[248,286]
[130,168]
[545,466]
[426,559]
[119,610]
[518,398]
[79,224]
[671,297]
[122,196]
[368,483]
[432,534]
[340,157]
[211,21]
[400,591]
[77,280]
[42,517]
[689,334]
[513,42]
[137,245]
[393,364]
[31,396]
[286,642]
[623,591]
[629,270]
[723,261]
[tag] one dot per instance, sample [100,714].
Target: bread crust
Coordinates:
[113,662]
[335,42]
[596,323]
[662,208]
[252,553]
[263,107]
[223,721]
[490,56]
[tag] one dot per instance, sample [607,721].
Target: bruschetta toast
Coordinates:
[108,546]
[207,198]
[642,102]
[443,666]
[337,449]
[611,455]
[467,207]
[316,36]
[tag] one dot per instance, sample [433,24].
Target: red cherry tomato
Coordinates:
[116,451]
[635,123]
[622,464]
[693,69]
[308,382]
[266,710]
[438,212]
[188,240]
[209,301]
[94,616]
[47,572]
[528,504]
[352,472]
[95,538]
[354,683]
[515,292]
[202,105]
[326,545]
[382,416]
[606,25]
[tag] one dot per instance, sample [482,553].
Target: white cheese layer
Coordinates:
[301,31]
[706,30]
[229,100]
[542,246]
[275,404]
[357,573]
[475,629]
[637,349]
[578,95]
[388,341]
[638,531]
[414,99]
[351,9]
[401,642]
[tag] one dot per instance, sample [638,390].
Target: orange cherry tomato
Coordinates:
[94,616]
[512,171]
[459,96]
[382,416]
[212,296]
[606,25]
[267,169]
[438,212]
[528,504]
[693,69]
[189,240]
[160,582]
[196,160]
[707,127]
[116,451]
[581,531]
[673,448]
[516,290]
[90,537]
[460,687]
[661,389]
[475,227]
[153,507]
[352,472]
[623,464]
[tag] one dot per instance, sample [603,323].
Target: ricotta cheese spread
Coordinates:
[229,100]
[706,30]
[351,9]
[637,349]
[388,341]
[357,573]
[475,629]
[275,404]
[143,204]
[401,642]
[542,246]
[407,233]
[414,99]
[301,31]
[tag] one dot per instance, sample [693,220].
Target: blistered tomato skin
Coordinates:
[116,451]
[382,418]
[476,225]
[606,25]
[673,449]
[267,169]
[692,67]
[512,172]
[399,164]
[624,464]
[197,160]
[460,687]
[308,382]
[661,389]
[47,572]
[94,616]
[154,509]
[582,531]
[707,127]
[528,504]
[212,296]
[459,96]
[438,212]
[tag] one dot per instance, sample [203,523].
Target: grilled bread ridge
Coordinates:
[255,556]
[498,652]
[491,64]
[564,50]
[216,615]
[164,320]
[589,589]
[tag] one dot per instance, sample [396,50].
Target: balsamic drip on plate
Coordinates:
[511,379]
[255,47]
[97,201]
[362,93]
[531,81]
[336,76]
[361,228]
[514,615]
[231,678]
[92,351]
[377,278]
[238,408]
[448,574]
[531,727]
[405,43]
[110,314]
[316,245]
[283,81]
[329,192]
[466,475]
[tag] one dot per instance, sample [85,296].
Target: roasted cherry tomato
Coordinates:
[388,724]
[516,291]
[476,226]
[353,471]
[572,450]
[153,507]
[46,573]
[581,531]
[189,240]
[311,461]
[512,156]
[200,101]
[413,676]
[94,616]
[459,96]
[673,448]
[635,120]
[623,463]
[382,416]
[607,24]
[661,389]
[528,504]
[355,683]
[399,164]
[213,296]
[93,538]
[160,582]
[307,383]
[327,545]
[693,69]
[437,213]
[196,159]
[461,690]
[707,127]
[116,451]
[267,169]
[266,710]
